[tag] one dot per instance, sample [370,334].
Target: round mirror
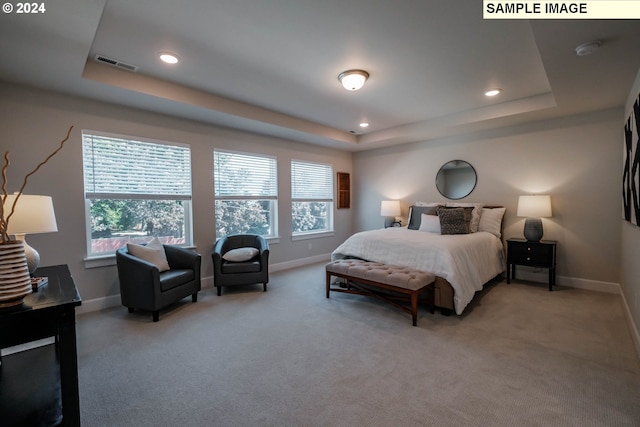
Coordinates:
[456,179]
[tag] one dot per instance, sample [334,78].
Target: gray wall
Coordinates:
[33,122]
[577,160]
[630,267]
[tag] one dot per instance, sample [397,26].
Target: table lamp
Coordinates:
[533,208]
[390,209]
[32,215]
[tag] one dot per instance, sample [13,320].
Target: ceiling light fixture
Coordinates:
[168,57]
[493,92]
[353,79]
[364,124]
[588,48]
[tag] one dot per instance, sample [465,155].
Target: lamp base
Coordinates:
[33,257]
[533,229]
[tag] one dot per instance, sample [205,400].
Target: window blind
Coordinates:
[117,168]
[311,181]
[244,176]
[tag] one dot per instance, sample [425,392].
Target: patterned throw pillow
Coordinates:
[454,220]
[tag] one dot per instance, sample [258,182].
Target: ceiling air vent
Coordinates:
[116,63]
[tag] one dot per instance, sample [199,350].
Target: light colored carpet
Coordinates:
[518,356]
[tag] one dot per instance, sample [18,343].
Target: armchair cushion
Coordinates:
[240,254]
[174,278]
[153,252]
[240,267]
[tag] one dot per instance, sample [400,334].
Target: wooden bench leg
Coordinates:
[328,283]
[414,308]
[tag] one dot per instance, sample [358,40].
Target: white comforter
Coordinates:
[466,261]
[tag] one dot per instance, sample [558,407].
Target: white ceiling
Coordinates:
[271,66]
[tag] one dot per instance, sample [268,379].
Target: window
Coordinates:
[312,197]
[135,189]
[246,192]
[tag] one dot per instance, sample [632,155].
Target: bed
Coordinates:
[463,262]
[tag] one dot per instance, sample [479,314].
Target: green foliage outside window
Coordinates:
[111,217]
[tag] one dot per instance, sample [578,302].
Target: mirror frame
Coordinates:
[440,179]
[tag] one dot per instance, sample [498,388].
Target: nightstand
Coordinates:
[540,254]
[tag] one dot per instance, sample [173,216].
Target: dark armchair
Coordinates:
[240,272]
[143,286]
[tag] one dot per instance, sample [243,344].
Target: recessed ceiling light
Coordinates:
[364,124]
[493,92]
[168,57]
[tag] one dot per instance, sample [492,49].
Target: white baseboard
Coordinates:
[98,304]
[635,334]
[207,283]
[301,262]
[571,282]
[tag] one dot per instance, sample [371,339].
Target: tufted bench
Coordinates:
[395,278]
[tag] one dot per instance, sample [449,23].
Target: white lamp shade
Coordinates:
[390,208]
[33,214]
[538,206]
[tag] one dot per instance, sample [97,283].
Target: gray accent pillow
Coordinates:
[415,215]
[454,220]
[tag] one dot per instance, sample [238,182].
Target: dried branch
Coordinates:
[4,223]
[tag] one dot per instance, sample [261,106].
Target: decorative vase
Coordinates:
[15,281]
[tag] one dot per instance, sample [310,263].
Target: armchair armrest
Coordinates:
[138,278]
[263,247]
[179,257]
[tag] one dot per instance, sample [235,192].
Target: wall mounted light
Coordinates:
[353,79]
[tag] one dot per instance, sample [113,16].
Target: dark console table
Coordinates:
[49,312]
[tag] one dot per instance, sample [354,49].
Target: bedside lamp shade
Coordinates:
[389,209]
[534,208]
[32,215]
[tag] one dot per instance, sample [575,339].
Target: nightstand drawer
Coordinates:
[535,254]
[532,259]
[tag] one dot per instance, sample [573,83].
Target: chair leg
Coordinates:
[131,309]
[264,287]
[156,315]
[194,297]
[219,289]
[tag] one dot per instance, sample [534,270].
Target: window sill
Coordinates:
[317,235]
[107,260]
[100,261]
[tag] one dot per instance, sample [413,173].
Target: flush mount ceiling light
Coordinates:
[588,48]
[353,79]
[493,92]
[168,57]
[364,124]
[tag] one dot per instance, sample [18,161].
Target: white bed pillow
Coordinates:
[153,252]
[430,224]
[491,221]
[240,254]
[475,214]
